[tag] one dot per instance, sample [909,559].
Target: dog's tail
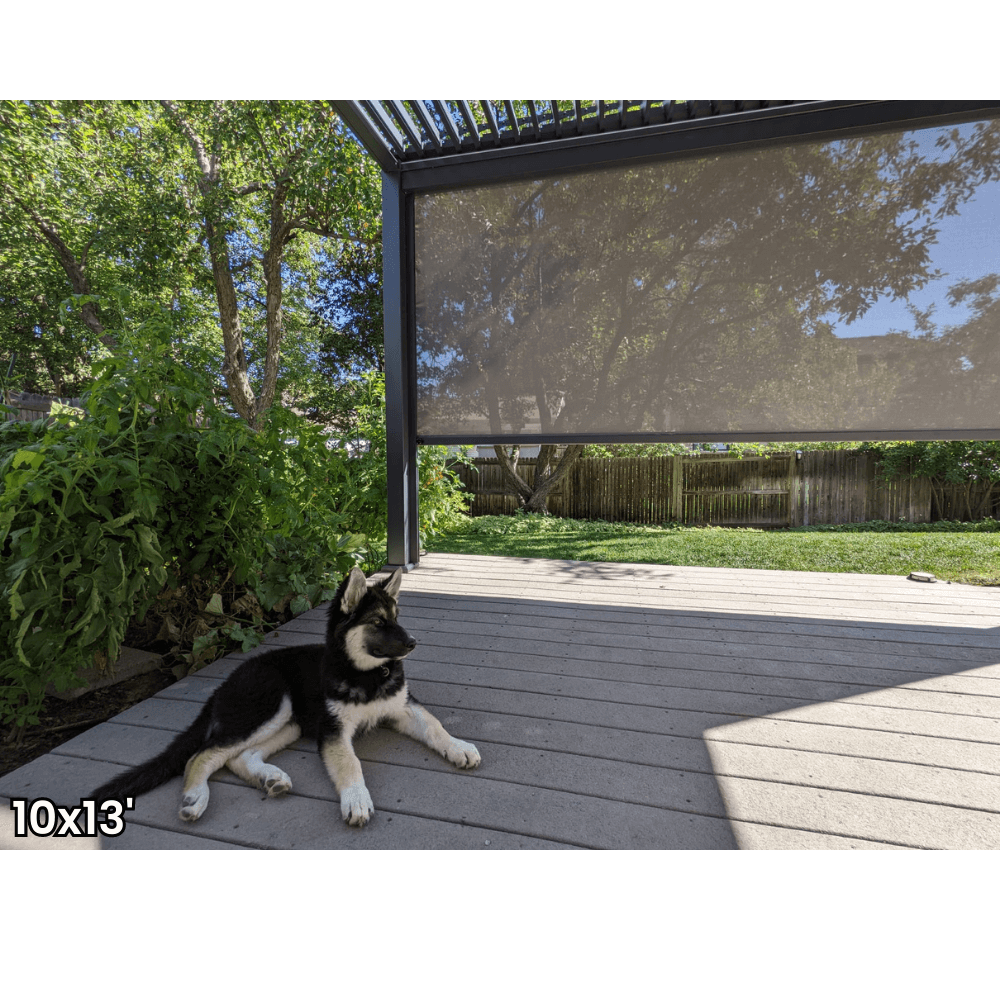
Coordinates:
[145,777]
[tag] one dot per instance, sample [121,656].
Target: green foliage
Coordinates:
[86,206]
[499,525]
[363,488]
[104,195]
[989,526]
[153,487]
[973,466]
[521,523]
[78,556]
[946,461]
[764,449]
[654,450]
[303,481]
[444,504]
[285,190]
[348,311]
[363,470]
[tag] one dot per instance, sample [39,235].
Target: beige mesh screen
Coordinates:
[838,287]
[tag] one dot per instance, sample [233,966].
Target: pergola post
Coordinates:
[403,541]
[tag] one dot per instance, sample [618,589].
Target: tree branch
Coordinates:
[334,234]
[73,268]
[204,164]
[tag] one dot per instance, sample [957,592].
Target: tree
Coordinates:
[86,212]
[268,173]
[346,321]
[224,212]
[349,310]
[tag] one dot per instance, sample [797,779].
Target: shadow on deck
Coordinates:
[627,706]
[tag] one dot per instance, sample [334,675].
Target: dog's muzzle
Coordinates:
[395,650]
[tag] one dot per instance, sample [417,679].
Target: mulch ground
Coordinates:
[169,628]
[60,720]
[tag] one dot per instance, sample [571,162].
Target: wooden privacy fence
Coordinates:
[30,406]
[826,487]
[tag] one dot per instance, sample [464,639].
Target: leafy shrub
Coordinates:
[947,461]
[443,502]
[973,466]
[362,484]
[636,450]
[157,496]
[153,489]
[78,552]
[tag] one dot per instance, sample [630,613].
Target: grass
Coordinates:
[962,553]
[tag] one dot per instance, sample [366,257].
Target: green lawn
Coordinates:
[961,553]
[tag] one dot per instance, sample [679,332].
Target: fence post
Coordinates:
[794,501]
[677,489]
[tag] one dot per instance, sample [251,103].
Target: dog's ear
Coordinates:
[391,585]
[356,588]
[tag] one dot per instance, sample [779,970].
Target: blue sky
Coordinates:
[968,246]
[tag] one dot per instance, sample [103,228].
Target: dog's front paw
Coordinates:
[463,754]
[356,805]
[277,784]
[193,804]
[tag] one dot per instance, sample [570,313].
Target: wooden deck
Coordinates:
[629,706]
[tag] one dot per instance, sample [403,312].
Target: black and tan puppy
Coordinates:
[329,692]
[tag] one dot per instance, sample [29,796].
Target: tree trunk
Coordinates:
[534,499]
[75,270]
[984,496]
[234,365]
[937,495]
[272,279]
[508,469]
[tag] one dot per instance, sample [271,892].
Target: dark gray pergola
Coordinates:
[425,146]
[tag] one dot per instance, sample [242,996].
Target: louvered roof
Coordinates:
[402,132]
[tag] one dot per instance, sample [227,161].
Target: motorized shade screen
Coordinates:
[837,287]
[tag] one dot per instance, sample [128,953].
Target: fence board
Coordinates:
[828,487]
[31,406]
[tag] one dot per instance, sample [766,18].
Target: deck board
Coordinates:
[628,707]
